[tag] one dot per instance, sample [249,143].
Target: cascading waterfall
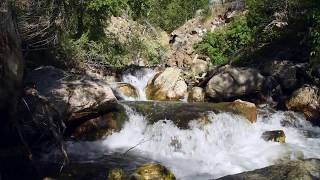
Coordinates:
[139,79]
[226,145]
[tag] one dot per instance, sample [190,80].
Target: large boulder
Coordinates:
[181,113]
[234,82]
[306,100]
[152,172]
[293,170]
[167,85]
[284,71]
[73,96]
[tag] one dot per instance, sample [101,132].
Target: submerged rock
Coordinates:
[196,94]
[231,82]
[116,174]
[153,172]
[276,136]
[73,96]
[167,85]
[306,100]
[293,170]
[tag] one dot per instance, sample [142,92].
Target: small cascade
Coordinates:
[138,79]
[227,144]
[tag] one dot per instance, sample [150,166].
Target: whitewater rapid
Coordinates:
[227,145]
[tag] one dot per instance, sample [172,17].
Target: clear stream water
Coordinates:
[228,144]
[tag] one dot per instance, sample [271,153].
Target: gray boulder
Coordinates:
[233,82]
[73,96]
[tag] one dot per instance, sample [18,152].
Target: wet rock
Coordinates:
[247,109]
[182,113]
[306,100]
[153,172]
[196,94]
[127,90]
[73,96]
[116,174]
[167,85]
[276,136]
[231,82]
[293,170]
[101,126]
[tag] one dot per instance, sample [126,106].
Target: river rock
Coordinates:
[306,100]
[102,126]
[181,113]
[276,136]
[196,94]
[116,174]
[73,96]
[234,82]
[167,85]
[127,90]
[293,170]
[246,109]
[153,172]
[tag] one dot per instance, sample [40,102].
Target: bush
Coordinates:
[223,44]
[166,14]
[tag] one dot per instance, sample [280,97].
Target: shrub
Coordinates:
[223,44]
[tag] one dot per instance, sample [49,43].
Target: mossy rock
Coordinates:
[153,172]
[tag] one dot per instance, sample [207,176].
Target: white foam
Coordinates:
[139,81]
[227,145]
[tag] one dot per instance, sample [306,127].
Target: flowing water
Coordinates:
[224,145]
[228,144]
[139,79]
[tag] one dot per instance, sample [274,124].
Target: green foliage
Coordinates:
[223,44]
[315,39]
[167,14]
[89,16]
